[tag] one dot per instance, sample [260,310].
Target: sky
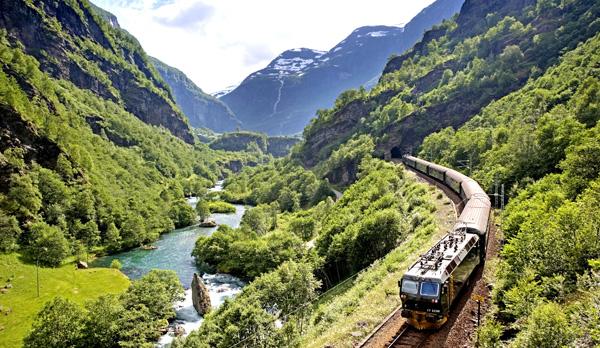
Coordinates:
[217,43]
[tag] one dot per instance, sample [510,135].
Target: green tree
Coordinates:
[157,290]
[113,237]
[101,325]
[202,210]
[182,214]
[288,200]
[303,227]
[23,197]
[48,244]
[9,232]
[57,325]
[137,328]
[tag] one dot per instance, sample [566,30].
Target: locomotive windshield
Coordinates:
[430,289]
[410,287]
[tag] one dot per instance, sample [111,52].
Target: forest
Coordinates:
[510,97]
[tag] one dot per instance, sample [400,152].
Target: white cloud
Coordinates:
[217,43]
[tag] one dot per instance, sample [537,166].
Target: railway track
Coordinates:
[394,332]
[408,337]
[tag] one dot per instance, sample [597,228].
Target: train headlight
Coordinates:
[434,300]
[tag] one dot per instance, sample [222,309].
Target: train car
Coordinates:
[431,286]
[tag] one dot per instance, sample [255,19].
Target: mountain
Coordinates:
[202,110]
[491,49]
[94,152]
[284,96]
[219,94]
[94,55]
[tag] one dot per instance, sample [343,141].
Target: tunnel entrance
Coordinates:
[396,152]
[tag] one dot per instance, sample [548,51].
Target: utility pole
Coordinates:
[496,194]
[37,274]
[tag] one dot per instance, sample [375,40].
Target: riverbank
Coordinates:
[20,303]
[173,251]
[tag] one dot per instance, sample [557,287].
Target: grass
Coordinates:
[20,303]
[345,319]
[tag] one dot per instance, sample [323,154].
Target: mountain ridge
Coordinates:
[201,109]
[283,101]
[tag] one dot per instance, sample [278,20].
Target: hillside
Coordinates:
[71,42]
[254,142]
[201,109]
[491,49]
[88,158]
[284,96]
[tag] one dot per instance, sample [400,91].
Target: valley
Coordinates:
[369,194]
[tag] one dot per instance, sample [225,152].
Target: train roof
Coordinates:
[475,214]
[443,258]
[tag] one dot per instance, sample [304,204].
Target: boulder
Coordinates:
[82,265]
[200,296]
[208,222]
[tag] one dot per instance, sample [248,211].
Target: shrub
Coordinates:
[221,207]
[116,264]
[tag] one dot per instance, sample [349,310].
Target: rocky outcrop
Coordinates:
[95,55]
[281,146]
[200,296]
[241,141]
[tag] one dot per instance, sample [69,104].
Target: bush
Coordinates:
[221,207]
[547,327]
[116,264]
[488,335]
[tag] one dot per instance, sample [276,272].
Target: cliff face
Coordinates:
[285,95]
[491,49]
[202,110]
[73,42]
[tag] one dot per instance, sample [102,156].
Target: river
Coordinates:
[174,253]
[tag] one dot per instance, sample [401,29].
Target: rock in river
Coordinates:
[200,295]
[209,222]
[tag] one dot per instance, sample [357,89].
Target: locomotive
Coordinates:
[433,283]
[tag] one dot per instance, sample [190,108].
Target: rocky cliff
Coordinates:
[202,110]
[284,96]
[74,42]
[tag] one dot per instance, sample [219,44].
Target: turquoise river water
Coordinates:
[174,253]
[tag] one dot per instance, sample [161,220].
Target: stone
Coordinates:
[200,296]
[209,222]
[82,265]
[179,330]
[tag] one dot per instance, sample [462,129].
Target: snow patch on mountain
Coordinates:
[377,33]
[226,90]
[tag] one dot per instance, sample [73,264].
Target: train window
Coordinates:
[430,289]
[409,287]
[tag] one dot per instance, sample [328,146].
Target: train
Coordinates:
[433,284]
